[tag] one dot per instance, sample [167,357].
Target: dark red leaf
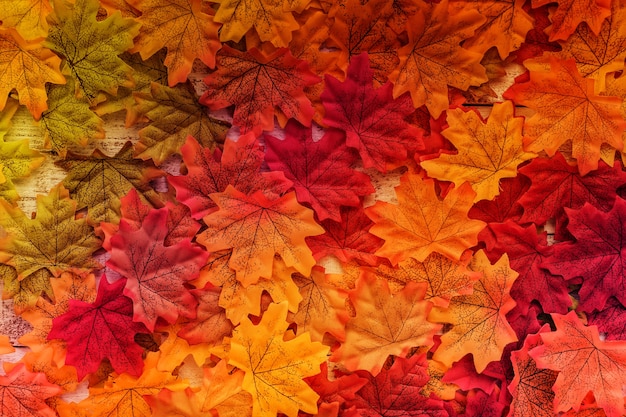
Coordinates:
[611,320]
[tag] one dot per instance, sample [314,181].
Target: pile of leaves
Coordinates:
[321,225]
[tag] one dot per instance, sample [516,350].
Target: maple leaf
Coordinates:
[101,330]
[320,170]
[373,121]
[68,122]
[423,223]
[505,27]
[238,165]
[174,350]
[334,392]
[91,47]
[210,325]
[98,182]
[479,325]
[585,363]
[505,205]
[156,273]
[26,67]
[347,240]
[384,324]
[531,387]
[396,391]
[433,59]
[571,13]
[487,152]
[565,102]
[322,308]
[222,392]
[272,21]
[255,83]
[17,160]
[28,17]
[54,240]
[23,393]
[25,292]
[597,54]
[273,367]
[279,226]
[183,27]
[597,255]
[611,320]
[174,114]
[444,277]
[527,251]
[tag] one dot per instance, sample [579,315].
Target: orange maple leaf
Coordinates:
[27,67]
[423,223]
[184,27]
[585,363]
[571,13]
[257,228]
[23,393]
[433,59]
[273,367]
[568,109]
[479,325]
[257,83]
[487,152]
[384,325]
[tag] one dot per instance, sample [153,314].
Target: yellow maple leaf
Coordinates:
[26,67]
[17,160]
[487,152]
[273,367]
[28,17]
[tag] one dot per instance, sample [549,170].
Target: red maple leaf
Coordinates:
[101,330]
[557,184]
[334,394]
[505,205]
[598,255]
[348,239]
[527,251]
[373,120]
[156,273]
[611,320]
[320,170]
[239,165]
[23,393]
[396,392]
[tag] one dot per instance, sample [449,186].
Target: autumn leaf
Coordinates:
[320,170]
[273,21]
[322,309]
[99,182]
[505,28]
[596,255]
[567,109]
[210,325]
[222,392]
[347,240]
[423,223]
[432,59]
[28,17]
[334,392]
[611,320]
[17,160]
[396,391]
[384,325]
[479,325]
[68,122]
[571,13]
[487,152]
[273,367]
[249,81]
[531,387]
[53,240]
[444,277]
[101,330]
[23,393]
[25,292]
[91,48]
[374,122]
[173,350]
[505,205]
[27,67]
[174,114]
[156,273]
[257,228]
[211,172]
[585,363]
[183,27]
